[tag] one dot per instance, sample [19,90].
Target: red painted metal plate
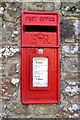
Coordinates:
[40,30]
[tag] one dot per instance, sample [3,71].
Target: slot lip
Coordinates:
[41,12]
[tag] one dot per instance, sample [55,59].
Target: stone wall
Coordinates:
[10,16]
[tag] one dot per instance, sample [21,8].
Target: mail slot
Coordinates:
[40,57]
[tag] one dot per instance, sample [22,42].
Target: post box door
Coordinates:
[47,89]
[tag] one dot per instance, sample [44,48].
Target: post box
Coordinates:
[40,57]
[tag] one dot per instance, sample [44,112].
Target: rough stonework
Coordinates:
[10,17]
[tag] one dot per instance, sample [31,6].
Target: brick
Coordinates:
[69,40]
[49,6]
[43,110]
[67,30]
[9,89]
[18,109]
[11,68]
[70,30]
[71,18]
[70,9]
[9,52]
[70,49]
[70,55]
[70,89]
[69,75]
[69,64]
[9,29]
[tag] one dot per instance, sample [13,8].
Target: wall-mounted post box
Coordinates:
[40,57]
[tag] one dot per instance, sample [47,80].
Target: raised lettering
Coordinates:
[47,39]
[40,38]
[41,19]
[30,18]
[34,39]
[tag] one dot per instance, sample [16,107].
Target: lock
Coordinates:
[40,57]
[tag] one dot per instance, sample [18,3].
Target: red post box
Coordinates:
[40,57]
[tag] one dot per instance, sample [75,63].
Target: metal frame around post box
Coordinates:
[23,55]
